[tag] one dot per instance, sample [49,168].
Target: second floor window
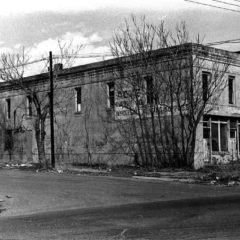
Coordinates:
[78,99]
[231,90]
[149,90]
[205,82]
[29,106]
[111,95]
[8,108]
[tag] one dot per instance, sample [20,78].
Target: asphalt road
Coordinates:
[65,206]
[28,192]
[203,218]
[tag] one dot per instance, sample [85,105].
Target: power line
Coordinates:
[83,56]
[59,57]
[214,6]
[226,3]
[223,42]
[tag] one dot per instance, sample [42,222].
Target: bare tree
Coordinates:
[160,92]
[12,71]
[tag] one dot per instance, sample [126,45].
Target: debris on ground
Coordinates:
[224,175]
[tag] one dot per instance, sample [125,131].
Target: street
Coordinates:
[65,206]
[205,218]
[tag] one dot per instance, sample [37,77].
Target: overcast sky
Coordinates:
[38,24]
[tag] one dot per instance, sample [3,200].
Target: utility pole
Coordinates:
[51,110]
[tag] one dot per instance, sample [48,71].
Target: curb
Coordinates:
[165,179]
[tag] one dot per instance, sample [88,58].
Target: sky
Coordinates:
[37,25]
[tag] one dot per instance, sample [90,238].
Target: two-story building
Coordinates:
[87,100]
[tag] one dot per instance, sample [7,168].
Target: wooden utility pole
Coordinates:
[51,111]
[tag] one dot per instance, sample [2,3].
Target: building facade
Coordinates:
[87,104]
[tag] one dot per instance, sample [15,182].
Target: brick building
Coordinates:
[86,101]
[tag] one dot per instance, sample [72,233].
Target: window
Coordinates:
[8,140]
[78,99]
[29,106]
[8,108]
[233,129]
[206,130]
[149,86]
[223,137]
[219,136]
[231,90]
[111,95]
[205,82]
[215,137]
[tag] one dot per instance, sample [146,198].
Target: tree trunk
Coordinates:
[40,139]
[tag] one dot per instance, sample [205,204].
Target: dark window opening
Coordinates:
[206,133]
[8,102]
[150,90]
[233,129]
[29,106]
[215,137]
[78,99]
[232,133]
[205,82]
[206,129]
[111,95]
[8,140]
[231,90]
[223,137]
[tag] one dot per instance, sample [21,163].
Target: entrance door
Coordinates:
[233,144]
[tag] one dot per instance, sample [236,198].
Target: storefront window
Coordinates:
[233,129]
[223,137]
[215,138]
[219,136]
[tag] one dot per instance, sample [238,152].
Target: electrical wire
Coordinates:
[226,3]
[223,42]
[210,5]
